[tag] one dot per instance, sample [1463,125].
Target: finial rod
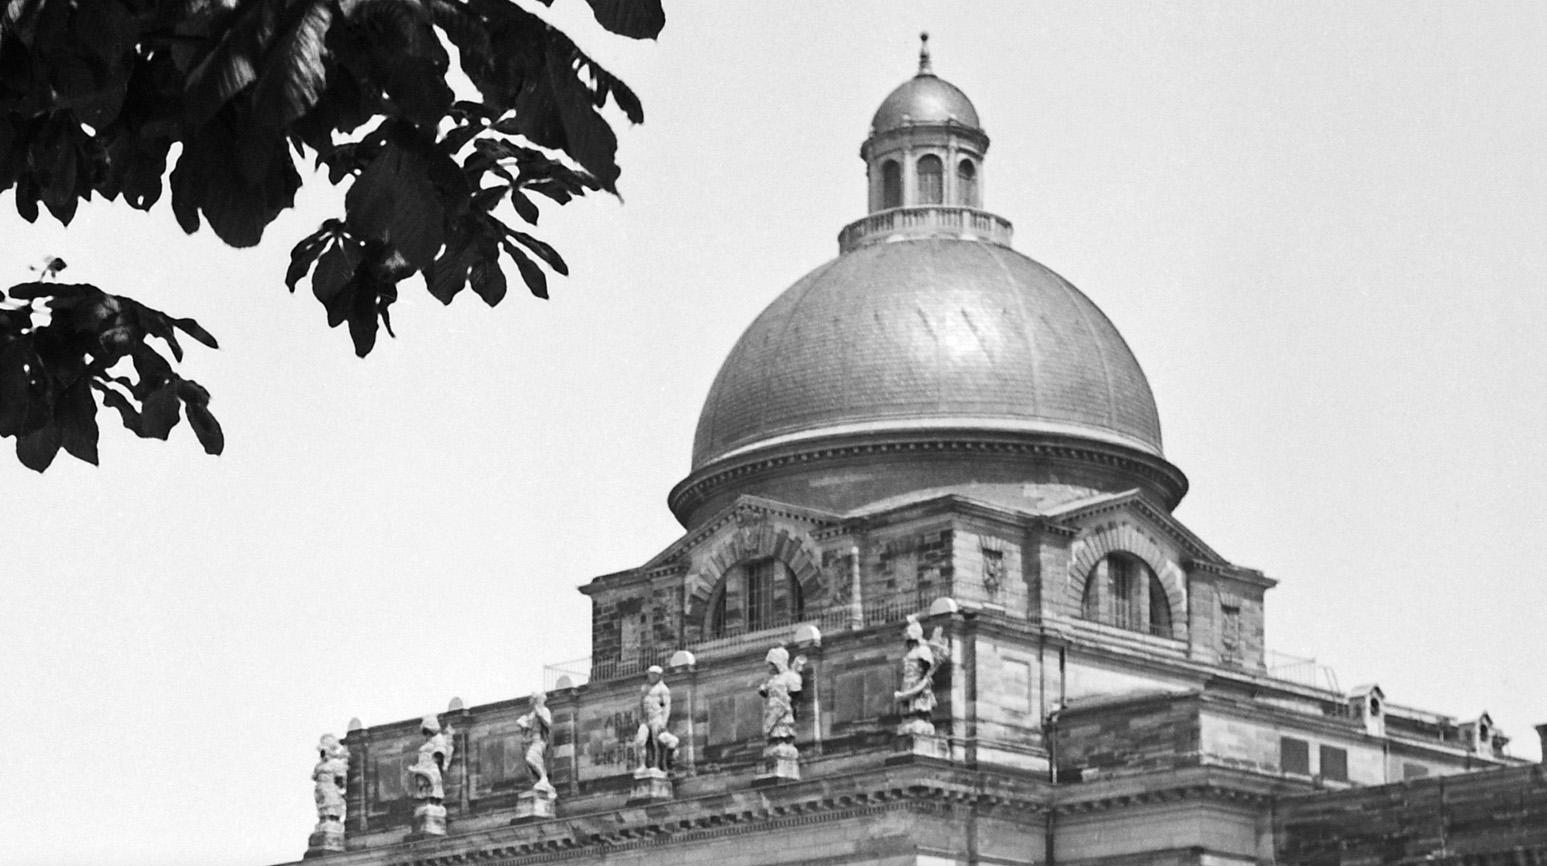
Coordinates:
[924,68]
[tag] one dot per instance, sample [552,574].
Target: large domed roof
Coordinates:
[925,98]
[928,334]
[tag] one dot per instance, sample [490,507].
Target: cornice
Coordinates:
[773,810]
[746,503]
[1233,572]
[1215,784]
[1155,470]
[1140,501]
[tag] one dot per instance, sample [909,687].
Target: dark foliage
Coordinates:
[94,94]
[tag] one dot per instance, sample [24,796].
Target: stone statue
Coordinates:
[779,692]
[330,775]
[329,778]
[653,741]
[434,758]
[535,727]
[919,664]
[780,757]
[427,777]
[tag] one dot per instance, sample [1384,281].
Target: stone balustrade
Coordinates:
[951,221]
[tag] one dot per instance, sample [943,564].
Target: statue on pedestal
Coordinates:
[919,664]
[427,777]
[780,757]
[655,744]
[536,803]
[535,729]
[329,777]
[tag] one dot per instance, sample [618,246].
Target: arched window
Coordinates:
[967,183]
[1123,591]
[891,184]
[931,180]
[754,595]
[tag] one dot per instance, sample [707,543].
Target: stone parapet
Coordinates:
[925,221]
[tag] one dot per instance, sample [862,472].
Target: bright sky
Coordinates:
[1319,225]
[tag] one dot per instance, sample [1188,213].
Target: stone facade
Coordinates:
[1063,737]
[1100,688]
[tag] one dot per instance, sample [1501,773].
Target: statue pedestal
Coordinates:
[429,820]
[918,745]
[650,785]
[535,805]
[328,838]
[781,762]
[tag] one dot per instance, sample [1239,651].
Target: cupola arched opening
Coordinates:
[931,175]
[1123,591]
[891,184]
[753,595]
[967,183]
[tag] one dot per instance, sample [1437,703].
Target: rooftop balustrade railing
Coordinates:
[923,220]
[834,618]
[1302,670]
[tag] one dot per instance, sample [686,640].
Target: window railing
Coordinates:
[833,618]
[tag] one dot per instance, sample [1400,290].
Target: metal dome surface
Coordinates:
[925,98]
[927,333]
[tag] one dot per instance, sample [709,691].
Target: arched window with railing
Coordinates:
[967,183]
[1123,591]
[754,595]
[891,184]
[931,177]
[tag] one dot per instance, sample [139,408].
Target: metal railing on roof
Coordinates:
[1302,670]
[834,618]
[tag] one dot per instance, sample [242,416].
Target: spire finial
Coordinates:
[924,68]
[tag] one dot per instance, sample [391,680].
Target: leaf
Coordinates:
[239,176]
[393,200]
[525,207]
[194,330]
[488,280]
[608,84]
[466,31]
[304,254]
[536,281]
[636,19]
[362,320]
[233,63]
[589,139]
[15,388]
[114,399]
[545,252]
[335,269]
[160,413]
[36,450]
[206,428]
[294,75]
[75,414]
[157,325]
[448,274]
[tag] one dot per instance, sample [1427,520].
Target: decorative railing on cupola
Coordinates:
[924,221]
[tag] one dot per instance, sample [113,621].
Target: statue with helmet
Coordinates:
[920,661]
[779,692]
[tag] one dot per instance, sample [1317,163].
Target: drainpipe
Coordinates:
[1050,734]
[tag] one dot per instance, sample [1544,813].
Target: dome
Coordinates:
[925,98]
[928,333]
[929,359]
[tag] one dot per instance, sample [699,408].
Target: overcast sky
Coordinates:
[1320,228]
